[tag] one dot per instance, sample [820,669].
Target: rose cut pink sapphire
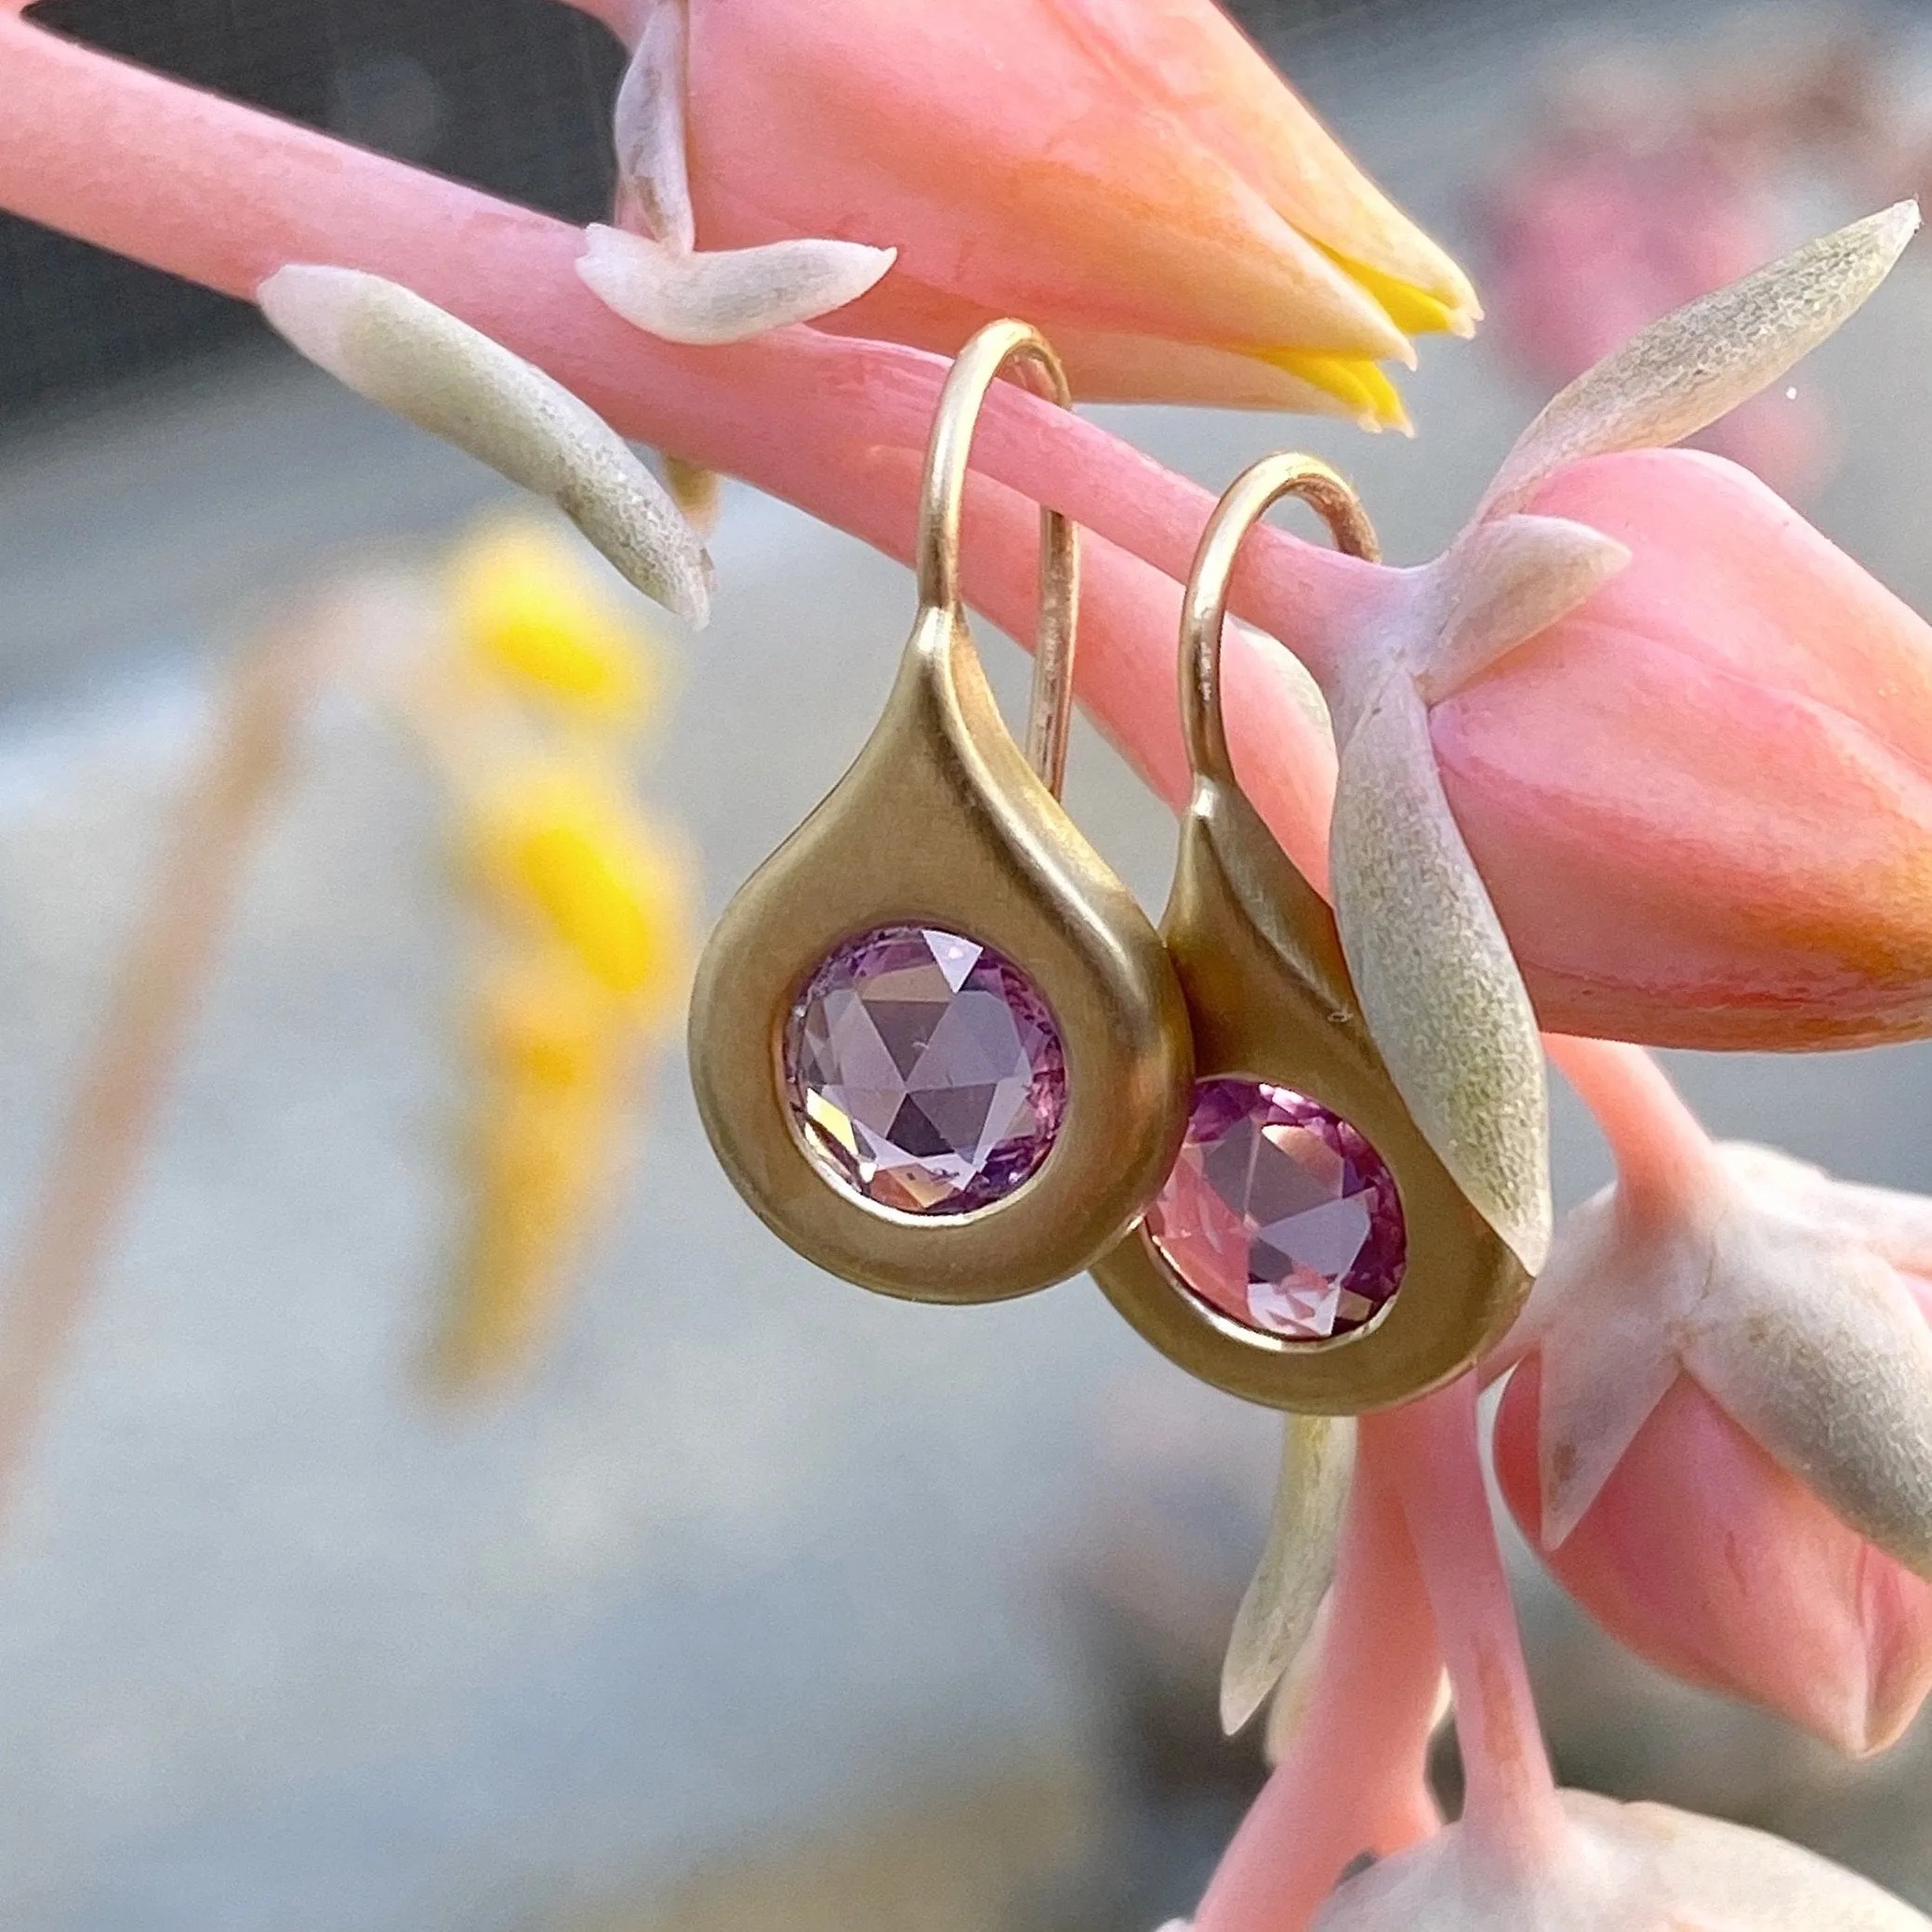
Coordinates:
[925,1071]
[1280,1215]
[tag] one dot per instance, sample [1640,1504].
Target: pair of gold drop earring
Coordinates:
[941,1050]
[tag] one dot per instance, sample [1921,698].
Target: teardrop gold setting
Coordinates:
[942,824]
[1270,999]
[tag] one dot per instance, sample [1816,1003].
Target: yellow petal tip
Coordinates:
[1414,310]
[1362,387]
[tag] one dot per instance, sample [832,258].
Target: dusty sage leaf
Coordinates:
[1437,983]
[728,296]
[654,178]
[1297,1563]
[387,343]
[1608,1307]
[1813,1346]
[1501,583]
[1686,370]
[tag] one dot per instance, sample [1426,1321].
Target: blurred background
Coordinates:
[755,1601]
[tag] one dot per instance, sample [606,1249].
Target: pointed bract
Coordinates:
[1719,1431]
[391,346]
[1279,1608]
[1434,975]
[726,295]
[1686,369]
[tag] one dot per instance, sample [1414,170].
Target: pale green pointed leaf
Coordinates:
[1297,1564]
[1502,582]
[1892,1223]
[1685,371]
[1813,1345]
[389,344]
[728,296]
[1437,983]
[1608,1309]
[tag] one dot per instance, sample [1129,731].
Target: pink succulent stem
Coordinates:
[1510,1809]
[1354,1778]
[224,195]
[1663,1153]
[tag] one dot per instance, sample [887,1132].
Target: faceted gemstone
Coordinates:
[925,1069]
[1280,1215]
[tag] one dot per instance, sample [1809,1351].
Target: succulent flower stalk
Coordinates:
[835,425]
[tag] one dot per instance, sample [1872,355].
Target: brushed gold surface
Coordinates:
[941,821]
[1269,994]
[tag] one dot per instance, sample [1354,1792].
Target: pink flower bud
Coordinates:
[1704,1556]
[1700,800]
[1135,178]
[1718,1426]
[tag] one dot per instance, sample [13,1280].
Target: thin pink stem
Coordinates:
[224,195]
[1663,1153]
[1354,1778]
[1434,1465]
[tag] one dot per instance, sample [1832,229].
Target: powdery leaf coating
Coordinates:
[1826,1360]
[1278,1612]
[1500,583]
[727,295]
[387,343]
[1889,1222]
[1768,1287]
[654,182]
[1437,983]
[1617,1868]
[1685,371]
[1600,1383]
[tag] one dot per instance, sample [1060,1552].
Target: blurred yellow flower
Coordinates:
[544,1024]
[586,913]
[557,1056]
[566,845]
[529,607]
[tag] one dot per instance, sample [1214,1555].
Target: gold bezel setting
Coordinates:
[994,857]
[1270,996]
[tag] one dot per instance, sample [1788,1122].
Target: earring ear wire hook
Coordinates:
[942,492]
[1204,608]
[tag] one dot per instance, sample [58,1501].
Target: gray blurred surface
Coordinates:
[284,1646]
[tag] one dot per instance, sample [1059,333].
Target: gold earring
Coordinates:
[935,1043]
[1309,1251]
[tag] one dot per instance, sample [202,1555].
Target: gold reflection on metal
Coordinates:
[941,821]
[1262,966]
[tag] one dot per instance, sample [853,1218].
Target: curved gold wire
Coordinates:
[1204,607]
[942,492]
[1270,999]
